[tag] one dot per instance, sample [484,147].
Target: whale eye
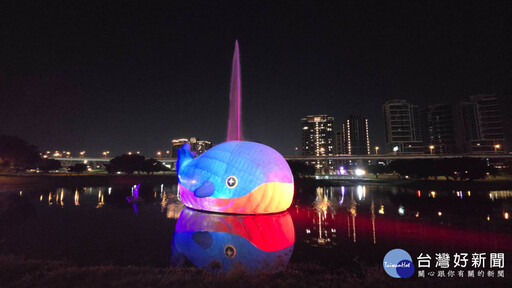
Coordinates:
[231,182]
[229,251]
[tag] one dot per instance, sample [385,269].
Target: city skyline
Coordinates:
[133,77]
[445,135]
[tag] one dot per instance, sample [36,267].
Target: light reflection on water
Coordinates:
[220,242]
[330,224]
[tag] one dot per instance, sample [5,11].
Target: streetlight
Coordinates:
[496,147]
[105,153]
[82,154]
[159,154]
[168,153]
[376,149]
[431,147]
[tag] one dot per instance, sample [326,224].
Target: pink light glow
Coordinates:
[235,100]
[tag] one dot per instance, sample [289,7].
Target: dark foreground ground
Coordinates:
[17,271]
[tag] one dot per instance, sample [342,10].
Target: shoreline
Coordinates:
[64,180]
[409,183]
[48,180]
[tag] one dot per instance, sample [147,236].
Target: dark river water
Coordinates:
[327,226]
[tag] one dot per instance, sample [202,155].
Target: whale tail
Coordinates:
[184,156]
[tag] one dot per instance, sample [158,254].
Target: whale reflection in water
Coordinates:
[222,241]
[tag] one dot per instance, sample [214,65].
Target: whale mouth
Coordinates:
[205,190]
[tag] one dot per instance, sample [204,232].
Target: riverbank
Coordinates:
[17,271]
[501,183]
[66,180]
[99,179]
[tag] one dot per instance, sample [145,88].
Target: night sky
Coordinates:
[129,75]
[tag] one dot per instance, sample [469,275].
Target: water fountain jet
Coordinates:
[235,100]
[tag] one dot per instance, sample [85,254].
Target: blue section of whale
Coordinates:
[252,164]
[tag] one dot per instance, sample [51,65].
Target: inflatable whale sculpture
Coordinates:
[221,242]
[238,177]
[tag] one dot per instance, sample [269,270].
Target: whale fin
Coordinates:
[203,239]
[184,156]
[205,190]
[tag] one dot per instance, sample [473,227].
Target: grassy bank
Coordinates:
[20,272]
[64,180]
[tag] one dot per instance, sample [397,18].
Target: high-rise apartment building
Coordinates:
[355,135]
[176,144]
[438,129]
[480,125]
[199,146]
[318,139]
[317,135]
[402,124]
[339,145]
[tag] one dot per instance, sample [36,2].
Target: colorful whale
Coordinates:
[238,177]
[221,242]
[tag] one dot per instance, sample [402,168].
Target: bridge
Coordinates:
[391,157]
[171,162]
[97,162]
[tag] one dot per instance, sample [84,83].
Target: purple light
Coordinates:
[342,171]
[135,193]
[342,195]
[135,196]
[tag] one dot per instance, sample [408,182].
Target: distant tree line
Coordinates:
[450,168]
[16,155]
[134,163]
